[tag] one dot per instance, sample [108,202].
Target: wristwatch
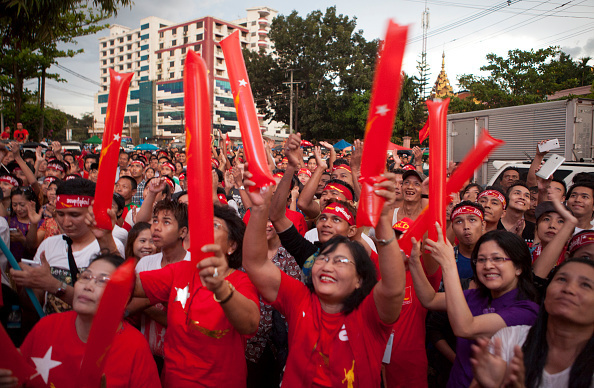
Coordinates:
[61,290]
[241,187]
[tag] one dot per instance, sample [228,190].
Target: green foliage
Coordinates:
[525,77]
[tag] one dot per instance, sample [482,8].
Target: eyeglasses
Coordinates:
[338,261]
[86,276]
[493,260]
[218,226]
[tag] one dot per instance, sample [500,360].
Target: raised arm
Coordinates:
[356,166]
[279,200]
[535,165]
[145,213]
[388,293]
[306,203]
[332,156]
[425,293]
[262,272]
[463,323]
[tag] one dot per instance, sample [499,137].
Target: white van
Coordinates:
[566,172]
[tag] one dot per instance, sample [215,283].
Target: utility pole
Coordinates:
[423,75]
[291,99]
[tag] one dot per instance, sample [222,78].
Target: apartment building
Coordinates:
[156,53]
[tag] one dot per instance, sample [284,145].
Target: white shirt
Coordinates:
[312,236]
[120,234]
[153,262]
[516,335]
[56,252]
[5,236]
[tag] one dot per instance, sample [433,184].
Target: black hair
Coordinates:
[536,347]
[516,184]
[138,228]
[510,168]
[398,171]
[236,228]
[29,195]
[175,197]
[517,250]
[94,166]
[470,203]
[92,156]
[470,186]
[582,176]
[120,202]
[179,210]
[131,180]
[166,191]
[111,257]
[77,186]
[587,184]
[340,161]
[124,152]
[341,182]
[363,265]
[29,155]
[310,158]
[220,176]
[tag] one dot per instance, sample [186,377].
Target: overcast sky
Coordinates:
[466,30]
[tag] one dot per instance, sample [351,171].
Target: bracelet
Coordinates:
[231,288]
[383,243]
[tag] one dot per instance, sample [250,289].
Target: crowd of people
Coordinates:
[292,293]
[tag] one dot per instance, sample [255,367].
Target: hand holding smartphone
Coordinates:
[550,166]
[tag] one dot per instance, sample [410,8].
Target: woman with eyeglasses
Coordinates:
[211,309]
[504,295]
[24,220]
[341,319]
[56,345]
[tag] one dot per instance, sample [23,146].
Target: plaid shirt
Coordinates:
[138,198]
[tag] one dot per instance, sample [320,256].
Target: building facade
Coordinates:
[156,53]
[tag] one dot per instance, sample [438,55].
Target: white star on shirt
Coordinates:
[382,110]
[116,137]
[242,82]
[182,295]
[43,365]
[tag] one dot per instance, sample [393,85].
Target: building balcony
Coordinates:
[262,32]
[263,21]
[262,43]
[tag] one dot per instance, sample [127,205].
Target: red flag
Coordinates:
[106,323]
[380,122]
[110,147]
[246,112]
[199,174]
[13,360]
[424,132]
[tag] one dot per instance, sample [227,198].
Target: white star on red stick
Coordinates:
[116,137]
[382,110]
[182,295]
[242,82]
[44,364]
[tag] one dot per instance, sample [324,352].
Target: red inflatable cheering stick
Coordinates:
[110,147]
[14,361]
[199,174]
[380,122]
[106,323]
[484,146]
[438,114]
[246,112]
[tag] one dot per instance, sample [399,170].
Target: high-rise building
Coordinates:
[156,53]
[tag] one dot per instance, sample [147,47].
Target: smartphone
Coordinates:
[32,263]
[12,230]
[552,144]
[550,166]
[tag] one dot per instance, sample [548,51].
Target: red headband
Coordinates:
[408,167]
[55,166]
[341,189]
[171,166]
[182,176]
[67,201]
[169,181]
[342,166]
[304,171]
[466,209]
[493,193]
[579,241]
[49,179]
[10,180]
[138,162]
[284,160]
[214,162]
[340,211]
[278,175]
[72,176]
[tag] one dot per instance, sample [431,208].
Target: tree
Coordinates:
[526,77]
[334,64]
[31,31]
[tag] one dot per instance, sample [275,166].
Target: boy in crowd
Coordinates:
[468,224]
[513,219]
[494,202]
[580,200]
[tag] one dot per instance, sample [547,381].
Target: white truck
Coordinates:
[522,127]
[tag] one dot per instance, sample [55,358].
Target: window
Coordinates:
[172,53]
[144,68]
[253,34]
[159,56]
[199,36]
[161,45]
[254,23]
[129,47]
[111,42]
[159,66]
[144,47]
[174,31]
[129,56]
[172,64]
[129,66]
[121,67]
[121,40]
[197,47]
[186,40]
[144,58]
[185,28]
[161,34]
[171,75]
[104,44]
[129,38]
[183,61]
[121,49]
[121,58]
[104,62]
[158,77]
[144,26]
[104,71]
[111,51]
[111,60]
[183,50]
[174,42]
[145,36]
[220,73]
[199,24]
[103,110]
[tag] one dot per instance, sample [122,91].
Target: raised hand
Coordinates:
[321,163]
[34,277]
[489,369]
[293,150]
[34,216]
[212,270]
[441,250]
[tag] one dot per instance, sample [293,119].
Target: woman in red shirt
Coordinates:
[340,321]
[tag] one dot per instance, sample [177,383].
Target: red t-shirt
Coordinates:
[296,218]
[202,348]
[54,348]
[408,361]
[5,135]
[20,135]
[352,346]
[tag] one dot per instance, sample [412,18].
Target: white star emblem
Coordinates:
[303,314]
[382,110]
[116,137]
[182,295]
[43,365]
[242,82]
